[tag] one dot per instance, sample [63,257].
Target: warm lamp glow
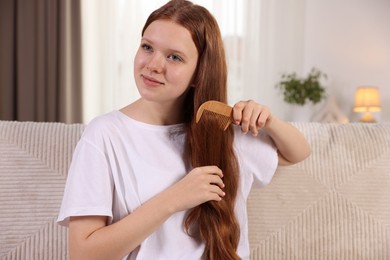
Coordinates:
[367,99]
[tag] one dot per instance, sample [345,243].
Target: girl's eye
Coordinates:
[175,57]
[146,47]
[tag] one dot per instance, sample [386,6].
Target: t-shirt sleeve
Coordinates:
[89,186]
[257,157]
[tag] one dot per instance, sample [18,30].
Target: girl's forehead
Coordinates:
[167,26]
[169,34]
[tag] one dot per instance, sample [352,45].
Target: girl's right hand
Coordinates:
[200,185]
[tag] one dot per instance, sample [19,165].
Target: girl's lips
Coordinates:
[150,81]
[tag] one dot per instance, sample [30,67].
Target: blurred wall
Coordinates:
[350,41]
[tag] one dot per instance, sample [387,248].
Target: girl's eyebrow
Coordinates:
[181,53]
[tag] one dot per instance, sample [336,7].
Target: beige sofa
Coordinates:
[334,205]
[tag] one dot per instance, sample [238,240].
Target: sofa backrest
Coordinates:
[334,205]
[34,159]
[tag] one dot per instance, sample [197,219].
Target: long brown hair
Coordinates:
[212,222]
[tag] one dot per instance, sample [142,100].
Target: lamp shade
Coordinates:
[367,99]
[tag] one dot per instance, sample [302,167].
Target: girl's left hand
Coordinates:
[251,116]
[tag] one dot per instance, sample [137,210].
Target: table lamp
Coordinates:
[367,100]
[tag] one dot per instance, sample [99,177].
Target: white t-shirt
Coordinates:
[119,163]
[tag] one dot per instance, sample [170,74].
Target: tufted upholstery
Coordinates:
[334,205]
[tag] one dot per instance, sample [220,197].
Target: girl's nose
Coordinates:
[156,63]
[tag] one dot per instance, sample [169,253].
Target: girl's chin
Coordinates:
[149,95]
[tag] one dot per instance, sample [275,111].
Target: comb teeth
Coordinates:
[223,121]
[218,110]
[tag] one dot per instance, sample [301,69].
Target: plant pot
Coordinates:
[302,113]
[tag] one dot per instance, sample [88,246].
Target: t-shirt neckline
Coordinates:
[146,125]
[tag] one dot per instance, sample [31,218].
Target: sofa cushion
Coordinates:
[334,205]
[34,159]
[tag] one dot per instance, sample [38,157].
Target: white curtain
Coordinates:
[263,38]
[273,44]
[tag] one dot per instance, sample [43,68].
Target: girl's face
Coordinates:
[165,62]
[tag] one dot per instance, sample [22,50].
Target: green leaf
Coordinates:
[298,91]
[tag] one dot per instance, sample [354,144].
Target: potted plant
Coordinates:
[299,91]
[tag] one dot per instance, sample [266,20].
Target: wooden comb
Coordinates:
[220,111]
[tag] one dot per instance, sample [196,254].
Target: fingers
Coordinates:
[216,180]
[211,170]
[250,115]
[210,178]
[211,175]
[216,193]
[214,188]
[200,185]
